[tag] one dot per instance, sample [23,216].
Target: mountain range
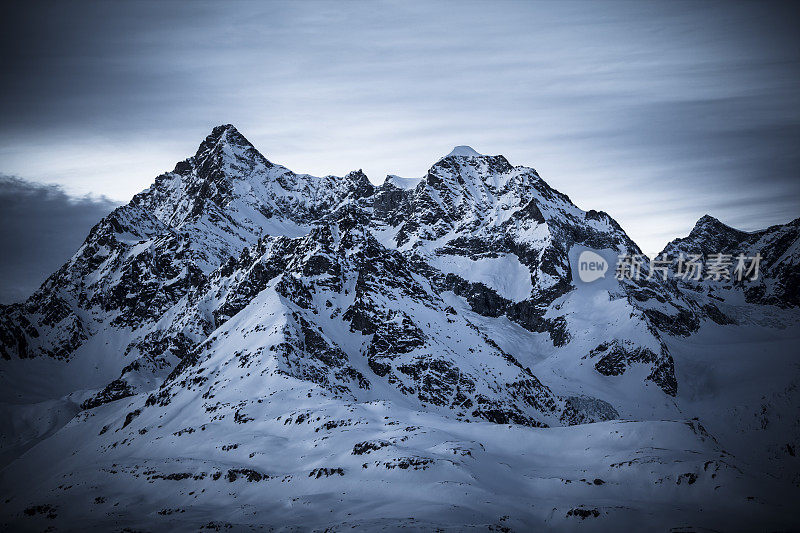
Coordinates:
[241,346]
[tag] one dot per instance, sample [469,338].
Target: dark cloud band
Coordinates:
[40,228]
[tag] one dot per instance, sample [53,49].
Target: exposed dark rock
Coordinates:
[583,514]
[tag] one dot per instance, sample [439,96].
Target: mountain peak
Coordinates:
[463,151]
[709,235]
[223,128]
[706,220]
[224,134]
[222,143]
[708,223]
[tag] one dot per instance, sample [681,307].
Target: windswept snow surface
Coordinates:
[313,463]
[463,151]
[505,274]
[403,183]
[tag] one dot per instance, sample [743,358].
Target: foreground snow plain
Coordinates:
[377,465]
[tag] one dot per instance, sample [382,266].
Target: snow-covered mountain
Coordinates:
[244,345]
[778,276]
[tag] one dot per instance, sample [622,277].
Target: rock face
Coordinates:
[235,310]
[499,237]
[337,309]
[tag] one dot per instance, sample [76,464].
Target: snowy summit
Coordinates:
[464,151]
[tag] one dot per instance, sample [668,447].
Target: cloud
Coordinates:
[40,228]
[688,107]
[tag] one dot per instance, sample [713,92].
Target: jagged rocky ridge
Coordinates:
[778,281]
[241,309]
[145,267]
[152,268]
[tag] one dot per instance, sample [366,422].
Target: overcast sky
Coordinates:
[654,112]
